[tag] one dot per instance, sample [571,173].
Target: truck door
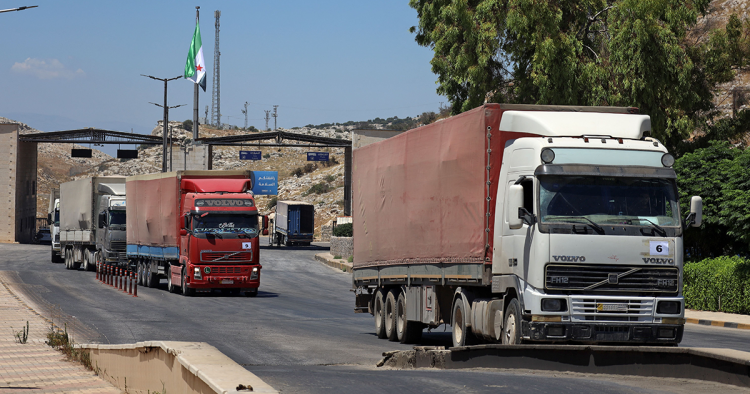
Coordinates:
[294,220]
[516,243]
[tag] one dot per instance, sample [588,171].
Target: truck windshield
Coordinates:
[116,217]
[608,200]
[226,222]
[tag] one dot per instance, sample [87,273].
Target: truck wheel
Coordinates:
[141,273]
[151,279]
[379,312]
[92,261]
[407,331]
[68,260]
[512,326]
[85,259]
[461,335]
[170,287]
[185,290]
[73,263]
[390,316]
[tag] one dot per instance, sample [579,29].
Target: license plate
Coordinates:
[227,282]
[612,307]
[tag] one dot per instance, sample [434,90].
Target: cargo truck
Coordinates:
[92,221]
[522,223]
[197,229]
[53,218]
[294,223]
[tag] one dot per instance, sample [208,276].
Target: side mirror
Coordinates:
[695,218]
[265,223]
[515,201]
[186,222]
[49,219]
[102,219]
[265,231]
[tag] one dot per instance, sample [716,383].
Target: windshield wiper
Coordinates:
[658,228]
[593,224]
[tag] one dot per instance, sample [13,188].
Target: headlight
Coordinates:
[669,307]
[554,305]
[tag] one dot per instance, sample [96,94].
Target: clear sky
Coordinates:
[73,64]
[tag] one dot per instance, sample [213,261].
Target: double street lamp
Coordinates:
[165,123]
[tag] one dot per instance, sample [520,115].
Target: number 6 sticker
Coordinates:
[659,248]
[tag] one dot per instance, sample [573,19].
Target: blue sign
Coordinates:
[317,156]
[250,155]
[265,183]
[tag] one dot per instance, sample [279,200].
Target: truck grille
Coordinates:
[226,270]
[227,257]
[118,246]
[612,309]
[611,278]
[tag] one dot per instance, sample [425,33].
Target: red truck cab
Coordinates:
[219,237]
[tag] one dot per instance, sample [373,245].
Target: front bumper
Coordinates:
[602,333]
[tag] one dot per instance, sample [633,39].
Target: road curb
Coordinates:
[327,259]
[718,323]
[725,366]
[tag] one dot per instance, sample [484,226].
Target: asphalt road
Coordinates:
[299,334]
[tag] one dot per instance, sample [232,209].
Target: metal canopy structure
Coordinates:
[280,138]
[91,136]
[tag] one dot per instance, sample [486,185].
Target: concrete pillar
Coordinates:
[18,182]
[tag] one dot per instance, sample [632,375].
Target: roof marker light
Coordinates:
[547,155]
[667,160]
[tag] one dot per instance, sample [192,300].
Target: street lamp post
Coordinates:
[166,116]
[164,137]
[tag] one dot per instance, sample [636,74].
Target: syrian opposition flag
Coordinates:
[195,68]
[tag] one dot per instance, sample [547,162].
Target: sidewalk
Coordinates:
[34,367]
[716,319]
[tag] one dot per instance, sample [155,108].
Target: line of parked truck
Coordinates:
[196,229]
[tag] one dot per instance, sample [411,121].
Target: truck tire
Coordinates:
[407,331]
[378,310]
[251,293]
[68,259]
[87,257]
[53,257]
[141,273]
[390,316]
[512,324]
[170,287]
[187,292]
[151,278]
[461,335]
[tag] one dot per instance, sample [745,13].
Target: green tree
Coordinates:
[717,173]
[580,52]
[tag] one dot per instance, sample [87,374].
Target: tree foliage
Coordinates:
[717,173]
[582,52]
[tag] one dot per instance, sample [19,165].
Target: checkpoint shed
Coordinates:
[18,182]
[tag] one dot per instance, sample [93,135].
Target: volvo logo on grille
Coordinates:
[573,259]
[613,279]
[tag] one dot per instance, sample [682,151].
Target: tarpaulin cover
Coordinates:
[420,196]
[79,202]
[153,201]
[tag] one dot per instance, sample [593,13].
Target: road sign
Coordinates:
[317,156]
[250,155]
[265,183]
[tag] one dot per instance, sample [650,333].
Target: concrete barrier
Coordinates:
[173,367]
[717,365]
